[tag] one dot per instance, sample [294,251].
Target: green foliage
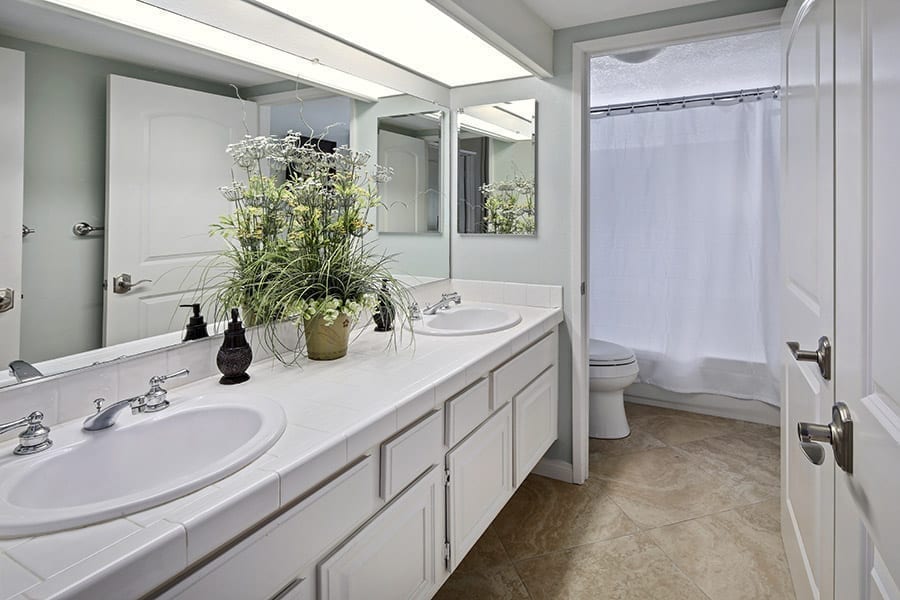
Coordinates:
[296,244]
[509,206]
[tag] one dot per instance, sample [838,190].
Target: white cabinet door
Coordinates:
[534,416]
[12,177]
[396,556]
[807,248]
[481,482]
[166,160]
[867,380]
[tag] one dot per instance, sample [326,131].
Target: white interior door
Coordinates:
[405,195]
[867,378]
[165,162]
[12,181]
[808,271]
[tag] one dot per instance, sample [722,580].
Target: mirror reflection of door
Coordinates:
[12,152]
[166,162]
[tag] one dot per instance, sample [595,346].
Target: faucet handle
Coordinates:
[98,402]
[415,312]
[156,380]
[36,436]
[155,399]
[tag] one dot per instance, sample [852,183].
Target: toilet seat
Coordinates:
[607,354]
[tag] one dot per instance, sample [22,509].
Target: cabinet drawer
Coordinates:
[509,379]
[397,555]
[467,411]
[534,416]
[410,453]
[480,484]
[264,564]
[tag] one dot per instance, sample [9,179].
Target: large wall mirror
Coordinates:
[124,155]
[497,146]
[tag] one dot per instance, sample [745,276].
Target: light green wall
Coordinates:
[65,182]
[511,159]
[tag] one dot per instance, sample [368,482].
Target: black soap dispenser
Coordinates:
[235,355]
[196,327]
[384,312]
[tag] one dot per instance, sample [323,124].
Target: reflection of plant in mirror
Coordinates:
[296,245]
[509,206]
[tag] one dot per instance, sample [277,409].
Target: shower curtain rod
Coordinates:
[611,110]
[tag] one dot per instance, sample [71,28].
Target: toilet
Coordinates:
[612,369]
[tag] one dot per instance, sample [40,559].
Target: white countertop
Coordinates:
[335,412]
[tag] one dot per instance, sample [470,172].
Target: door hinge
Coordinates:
[583,287]
[447,477]
[447,554]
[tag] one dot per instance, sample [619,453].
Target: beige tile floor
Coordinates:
[685,508]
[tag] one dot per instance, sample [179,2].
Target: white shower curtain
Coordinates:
[684,245]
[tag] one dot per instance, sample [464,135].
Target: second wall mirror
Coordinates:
[496,168]
[410,145]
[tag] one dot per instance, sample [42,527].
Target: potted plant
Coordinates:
[297,247]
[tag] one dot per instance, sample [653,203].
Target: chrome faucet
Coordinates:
[442,304]
[36,436]
[153,401]
[23,371]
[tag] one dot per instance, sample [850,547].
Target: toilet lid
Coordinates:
[607,353]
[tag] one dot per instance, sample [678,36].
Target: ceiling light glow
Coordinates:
[151,19]
[411,33]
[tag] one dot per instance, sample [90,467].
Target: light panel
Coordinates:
[412,33]
[151,19]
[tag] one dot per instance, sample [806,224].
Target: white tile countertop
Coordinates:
[335,412]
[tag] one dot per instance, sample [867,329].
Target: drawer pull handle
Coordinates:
[283,592]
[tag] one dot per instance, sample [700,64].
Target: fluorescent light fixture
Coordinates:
[151,19]
[411,33]
[482,127]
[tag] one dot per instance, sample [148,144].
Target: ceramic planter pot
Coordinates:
[327,342]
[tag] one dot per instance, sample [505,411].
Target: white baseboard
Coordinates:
[555,468]
[707,404]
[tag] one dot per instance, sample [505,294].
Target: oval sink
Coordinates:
[468,320]
[143,461]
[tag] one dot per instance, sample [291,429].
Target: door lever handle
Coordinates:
[838,434]
[122,284]
[821,355]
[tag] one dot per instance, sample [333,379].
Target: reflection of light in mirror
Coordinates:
[482,127]
[524,109]
[151,19]
[412,33]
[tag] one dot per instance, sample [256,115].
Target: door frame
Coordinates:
[582,52]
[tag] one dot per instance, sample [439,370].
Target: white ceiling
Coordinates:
[569,13]
[719,65]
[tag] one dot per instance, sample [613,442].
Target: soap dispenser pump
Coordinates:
[196,327]
[235,355]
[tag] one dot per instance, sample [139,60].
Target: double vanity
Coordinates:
[369,477]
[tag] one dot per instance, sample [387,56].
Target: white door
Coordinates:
[481,482]
[165,162]
[867,377]
[808,271]
[397,556]
[404,197]
[12,178]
